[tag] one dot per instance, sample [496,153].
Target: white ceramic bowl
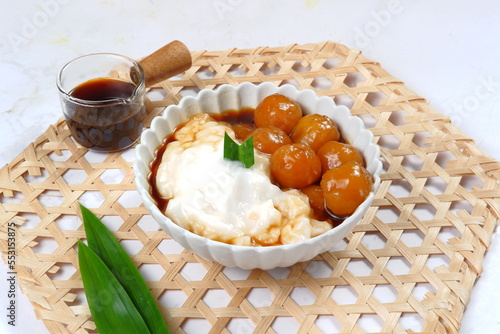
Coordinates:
[228,97]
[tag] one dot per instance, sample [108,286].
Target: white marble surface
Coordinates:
[446,51]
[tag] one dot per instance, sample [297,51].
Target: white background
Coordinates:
[446,51]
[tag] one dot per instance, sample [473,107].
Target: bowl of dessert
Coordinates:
[257,176]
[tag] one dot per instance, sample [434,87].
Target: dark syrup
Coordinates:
[99,121]
[102,89]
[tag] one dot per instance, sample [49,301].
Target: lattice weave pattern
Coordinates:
[408,267]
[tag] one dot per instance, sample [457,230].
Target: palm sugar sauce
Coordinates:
[232,117]
[109,122]
[102,89]
[161,202]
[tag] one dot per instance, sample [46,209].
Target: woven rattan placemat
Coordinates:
[408,267]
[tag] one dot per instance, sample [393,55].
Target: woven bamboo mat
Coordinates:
[408,267]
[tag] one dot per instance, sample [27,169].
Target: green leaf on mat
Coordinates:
[105,245]
[110,306]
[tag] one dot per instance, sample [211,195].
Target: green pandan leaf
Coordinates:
[105,245]
[243,152]
[110,306]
